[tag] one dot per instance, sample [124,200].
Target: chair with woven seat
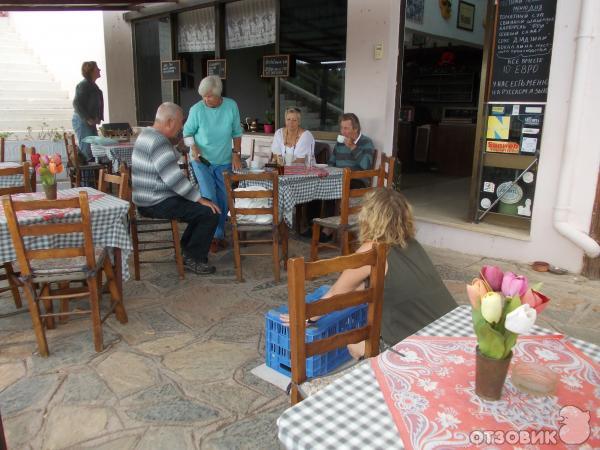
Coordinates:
[47,272]
[7,275]
[256,219]
[74,168]
[26,153]
[299,272]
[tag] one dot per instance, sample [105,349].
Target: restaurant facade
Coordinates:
[423,79]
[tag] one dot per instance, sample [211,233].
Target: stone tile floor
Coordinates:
[177,376]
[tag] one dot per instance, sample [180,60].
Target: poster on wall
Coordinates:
[522,51]
[516,199]
[415,10]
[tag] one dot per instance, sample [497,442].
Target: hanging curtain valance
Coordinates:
[196,30]
[249,23]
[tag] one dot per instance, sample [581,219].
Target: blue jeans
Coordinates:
[212,186]
[83,130]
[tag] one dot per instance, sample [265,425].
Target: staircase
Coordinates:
[29,97]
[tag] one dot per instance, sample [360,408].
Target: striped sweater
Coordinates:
[155,173]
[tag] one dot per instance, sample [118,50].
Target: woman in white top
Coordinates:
[292,143]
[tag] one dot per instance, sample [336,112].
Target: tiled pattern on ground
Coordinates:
[177,376]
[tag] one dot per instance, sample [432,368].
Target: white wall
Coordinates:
[545,242]
[63,41]
[435,24]
[370,86]
[119,73]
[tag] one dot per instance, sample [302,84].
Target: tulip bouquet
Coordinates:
[504,306]
[47,166]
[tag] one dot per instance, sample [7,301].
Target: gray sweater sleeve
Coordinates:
[165,163]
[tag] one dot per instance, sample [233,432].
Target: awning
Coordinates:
[80,5]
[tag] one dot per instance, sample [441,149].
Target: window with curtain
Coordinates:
[196,30]
[250,23]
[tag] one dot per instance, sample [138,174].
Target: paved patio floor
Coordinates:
[177,376]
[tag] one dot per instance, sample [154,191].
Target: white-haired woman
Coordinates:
[211,125]
[292,142]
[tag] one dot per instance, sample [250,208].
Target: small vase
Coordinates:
[268,128]
[490,375]
[50,191]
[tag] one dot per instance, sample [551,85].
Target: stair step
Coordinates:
[20,66]
[24,76]
[29,103]
[27,93]
[22,85]
[16,125]
[20,59]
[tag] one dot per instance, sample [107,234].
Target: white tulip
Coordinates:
[491,307]
[521,319]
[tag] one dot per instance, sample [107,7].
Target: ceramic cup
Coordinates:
[341,139]
[255,164]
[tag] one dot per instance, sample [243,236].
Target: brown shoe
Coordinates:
[222,244]
[214,246]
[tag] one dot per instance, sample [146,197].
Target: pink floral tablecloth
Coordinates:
[47,214]
[430,394]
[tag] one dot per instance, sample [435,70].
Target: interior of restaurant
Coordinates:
[438,116]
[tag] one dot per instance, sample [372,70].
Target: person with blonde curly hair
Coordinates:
[414,294]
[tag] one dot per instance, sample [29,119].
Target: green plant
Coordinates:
[5,134]
[45,133]
[269,116]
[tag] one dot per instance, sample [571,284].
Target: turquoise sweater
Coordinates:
[213,129]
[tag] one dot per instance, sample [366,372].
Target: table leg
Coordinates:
[118,269]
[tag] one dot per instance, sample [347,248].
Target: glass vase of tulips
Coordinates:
[503,306]
[47,166]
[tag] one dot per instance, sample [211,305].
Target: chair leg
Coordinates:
[314,244]
[48,306]
[92,284]
[64,303]
[34,312]
[115,294]
[284,243]
[276,272]
[237,258]
[12,285]
[136,249]
[177,246]
[296,397]
[345,242]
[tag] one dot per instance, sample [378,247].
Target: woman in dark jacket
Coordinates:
[89,106]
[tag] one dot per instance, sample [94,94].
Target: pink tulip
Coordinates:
[475,291]
[536,300]
[493,276]
[513,285]
[45,159]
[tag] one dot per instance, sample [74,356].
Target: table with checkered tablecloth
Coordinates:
[12,180]
[116,153]
[297,189]
[351,412]
[109,225]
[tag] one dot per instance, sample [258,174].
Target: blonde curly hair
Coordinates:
[386,217]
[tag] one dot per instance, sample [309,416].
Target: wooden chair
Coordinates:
[300,271]
[276,227]
[26,153]
[147,226]
[47,272]
[74,168]
[8,274]
[106,182]
[2,149]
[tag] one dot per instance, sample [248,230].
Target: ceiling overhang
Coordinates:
[80,5]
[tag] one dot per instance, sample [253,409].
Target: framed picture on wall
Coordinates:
[466,16]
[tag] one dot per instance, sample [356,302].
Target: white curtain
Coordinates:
[249,23]
[196,30]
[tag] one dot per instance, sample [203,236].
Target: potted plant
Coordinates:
[47,166]
[269,119]
[503,307]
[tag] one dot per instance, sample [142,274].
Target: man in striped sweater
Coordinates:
[161,191]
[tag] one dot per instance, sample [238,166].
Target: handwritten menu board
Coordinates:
[217,67]
[170,70]
[276,66]
[523,50]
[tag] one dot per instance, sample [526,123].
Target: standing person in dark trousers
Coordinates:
[160,190]
[89,107]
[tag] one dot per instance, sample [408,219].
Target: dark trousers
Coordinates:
[202,223]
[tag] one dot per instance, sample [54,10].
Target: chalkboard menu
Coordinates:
[276,66]
[217,67]
[170,70]
[523,50]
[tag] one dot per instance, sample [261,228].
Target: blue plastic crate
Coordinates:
[277,338]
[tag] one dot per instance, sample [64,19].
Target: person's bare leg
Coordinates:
[357,350]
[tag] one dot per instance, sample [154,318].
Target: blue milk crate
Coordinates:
[277,338]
